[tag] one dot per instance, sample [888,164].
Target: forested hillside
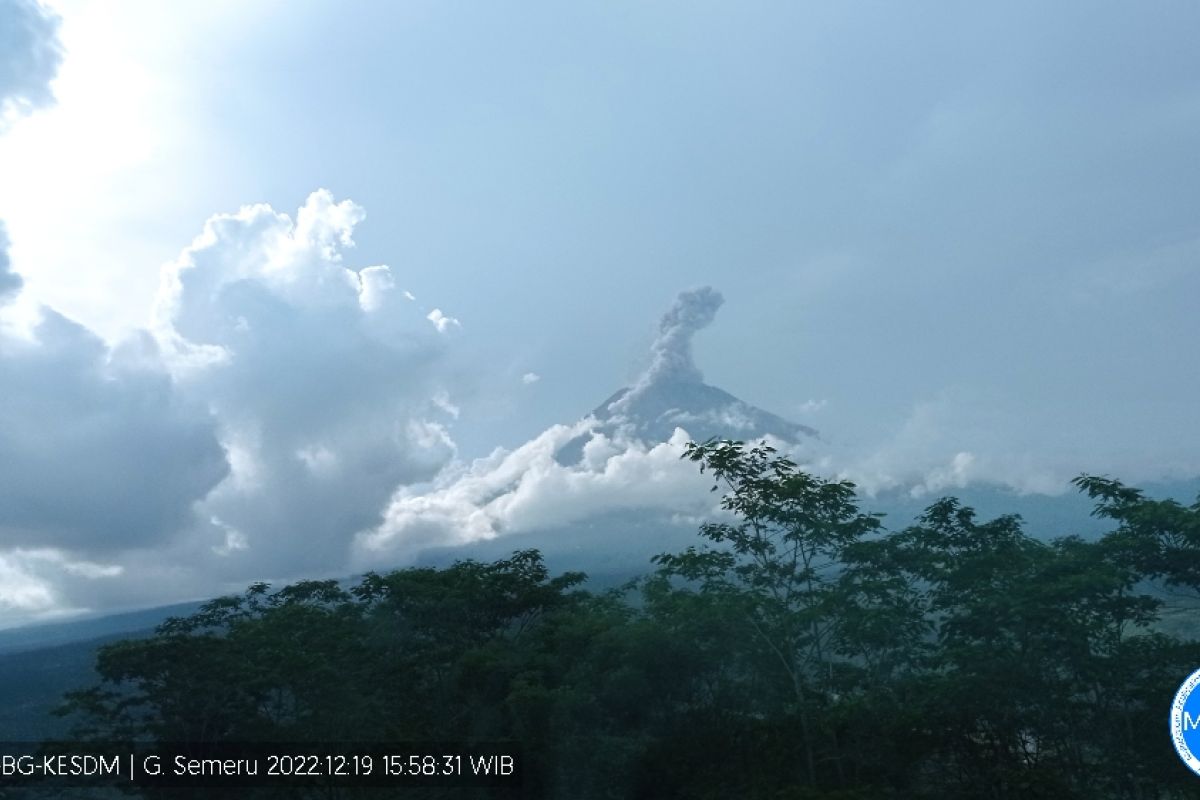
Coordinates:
[799,651]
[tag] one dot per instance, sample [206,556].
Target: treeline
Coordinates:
[799,652]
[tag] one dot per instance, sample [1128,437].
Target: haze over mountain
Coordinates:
[965,269]
[621,459]
[611,525]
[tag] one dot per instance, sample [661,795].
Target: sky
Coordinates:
[278,279]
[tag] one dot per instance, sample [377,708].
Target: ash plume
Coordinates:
[671,353]
[671,362]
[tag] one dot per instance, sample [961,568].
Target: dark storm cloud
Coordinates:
[97,451]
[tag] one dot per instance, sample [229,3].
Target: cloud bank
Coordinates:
[10,281]
[100,451]
[29,58]
[278,401]
[100,455]
[528,490]
[325,381]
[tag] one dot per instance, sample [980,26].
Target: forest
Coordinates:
[801,650]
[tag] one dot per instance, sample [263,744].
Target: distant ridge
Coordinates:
[49,634]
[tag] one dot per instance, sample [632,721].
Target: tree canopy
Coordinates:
[800,650]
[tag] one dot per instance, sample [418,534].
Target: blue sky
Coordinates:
[938,231]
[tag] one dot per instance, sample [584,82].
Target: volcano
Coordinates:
[672,394]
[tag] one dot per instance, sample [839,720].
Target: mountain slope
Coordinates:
[672,394]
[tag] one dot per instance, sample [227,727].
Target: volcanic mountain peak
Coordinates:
[704,411]
[672,394]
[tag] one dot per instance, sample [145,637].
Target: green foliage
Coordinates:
[800,652]
[1161,538]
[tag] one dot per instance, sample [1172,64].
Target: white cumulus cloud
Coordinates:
[278,402]
[527,489]
[321,378]
[442,322]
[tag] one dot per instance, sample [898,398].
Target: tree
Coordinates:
[801,652]
[1160,537]
[412,655]
[776,563]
